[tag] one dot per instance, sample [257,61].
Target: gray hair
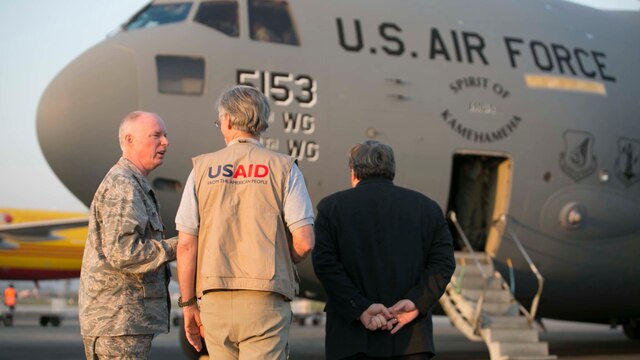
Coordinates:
[248,107]
[372,159]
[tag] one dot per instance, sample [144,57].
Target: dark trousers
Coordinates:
[421,356]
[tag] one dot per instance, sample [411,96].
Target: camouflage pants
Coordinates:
[117,347]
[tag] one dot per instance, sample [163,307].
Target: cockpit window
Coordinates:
[180,75]
[270,21]
[221,15]
[160,14]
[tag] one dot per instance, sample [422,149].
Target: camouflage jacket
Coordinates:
[124,276]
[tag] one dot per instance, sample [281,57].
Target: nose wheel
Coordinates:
[53,320]
[7,319]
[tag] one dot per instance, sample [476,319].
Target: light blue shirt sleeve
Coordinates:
[298,210]
[188,216]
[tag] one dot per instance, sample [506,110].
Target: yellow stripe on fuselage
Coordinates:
[565,83]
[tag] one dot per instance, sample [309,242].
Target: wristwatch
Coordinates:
[188,302]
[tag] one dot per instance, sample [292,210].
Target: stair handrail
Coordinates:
[475,323]
[531,313]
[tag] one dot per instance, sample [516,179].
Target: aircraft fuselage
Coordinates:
[549,89]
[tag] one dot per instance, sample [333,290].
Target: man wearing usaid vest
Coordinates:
[245,218]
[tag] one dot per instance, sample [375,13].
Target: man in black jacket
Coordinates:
[384,254]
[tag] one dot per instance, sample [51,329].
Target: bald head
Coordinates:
[126,125]
[143,140]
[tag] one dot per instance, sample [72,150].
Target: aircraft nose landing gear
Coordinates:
[46,319]
[7,319]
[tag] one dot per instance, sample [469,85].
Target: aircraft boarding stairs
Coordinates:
[480,304]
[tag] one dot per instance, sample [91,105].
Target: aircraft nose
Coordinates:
[79,114]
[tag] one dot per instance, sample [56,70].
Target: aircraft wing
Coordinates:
[38,230]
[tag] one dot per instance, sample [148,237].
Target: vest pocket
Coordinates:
[243,248]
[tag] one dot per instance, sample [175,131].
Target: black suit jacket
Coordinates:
[380,243]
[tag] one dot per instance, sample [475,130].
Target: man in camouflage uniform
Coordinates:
[123,297]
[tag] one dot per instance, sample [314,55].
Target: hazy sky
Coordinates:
[611,4]
[39,38]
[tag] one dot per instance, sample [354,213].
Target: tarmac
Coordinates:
[26,339]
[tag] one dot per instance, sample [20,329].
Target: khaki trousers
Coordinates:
[246,324]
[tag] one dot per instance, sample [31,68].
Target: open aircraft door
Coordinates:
[479,301]
[480,193]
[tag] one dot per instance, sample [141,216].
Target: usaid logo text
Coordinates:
[242,171]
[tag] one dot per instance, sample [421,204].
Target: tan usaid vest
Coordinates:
[243,242]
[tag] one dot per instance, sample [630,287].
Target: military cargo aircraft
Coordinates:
[520,118]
